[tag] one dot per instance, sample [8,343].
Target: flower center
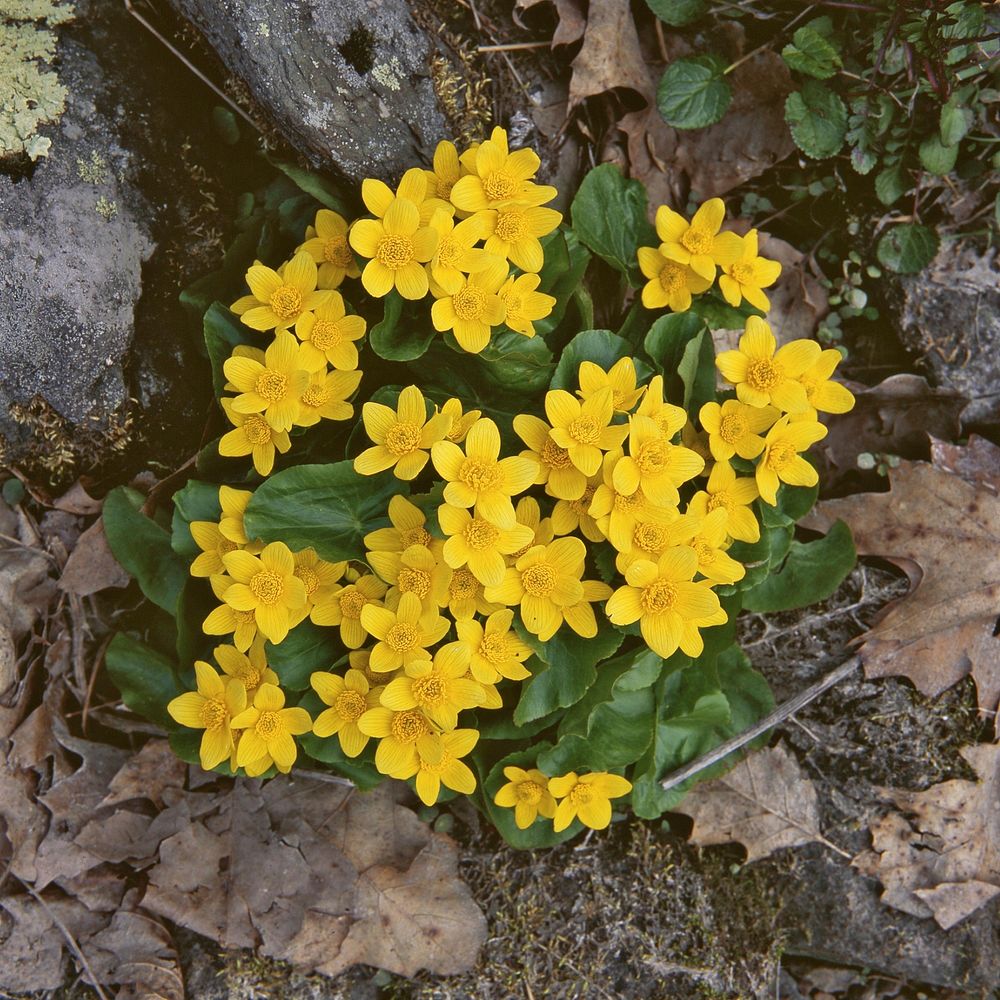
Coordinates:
[257,429]
[315,396]
[698,241]
[581,794]
[250,676]
[449,253]
[225,545]
[764,374]
[780,454]
[742,273]
[415,536]
[414,581]
[271,385]
[528,791]
[336,251]
[267,586]
[401,637]
[469,302]
[629,503]
[394,251]
[326,334]
[511,226]
[480,475]
[514,304]
[351,603]
[480,535]
[268,725]
[499,185]
[732,427]
[649,537]
[245,618]
[444,186]
[553,456]
[672,277]
[213,714]
[582,506]
[286,302]
[429,690]
[350,705]
[717,500]
[494,648]
[651,457]
[309,577]
[659,596]
[704,551]
[539,580]
[463,585]
[402,438]
[408,726]
[585,430]
[440,767]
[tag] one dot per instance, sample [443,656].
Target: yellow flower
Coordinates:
[574,515]
[328,335]
[402,436]
[416,570]
[408,528]
[765,376]
[529,514]
[822,393]
[479,477]
[734,428]
[651,535]
[269,729]
[561,477]
[403,635]
[318,576]
[544,581]
[653,464]
[396,245]
[279,298]
[707,537]
[580,616]
[669,284]
[473,309]
[584,429]
[413,187]
[274,388]
[405,739]
[744,277]
[325,397]
[224,620]
[252,435]
[527,793]
[667,604]
[234,504]
[513,231]
[621,377]
[457,254]
[499,177]
[466,596]
[326,242]
[493,649]
[213,544]
[344,608]
[349,697]
[267,586]
[524,304]
[448,771]
[725,492]
[781,462]
[586,797]
[698,243]
[669,418]
[249,668]
[212,708]
[439,688]
[461,423]
[479,543]
[446,172]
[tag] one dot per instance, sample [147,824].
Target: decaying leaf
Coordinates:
[944,533]
[764,803]
[611,57]
[91,566]
[572,21]
[940,856]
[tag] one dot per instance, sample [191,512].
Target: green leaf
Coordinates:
[817,118]
[195,501]
[697,371]
[329,507]
[515,363]
[890,184]
[225,125]
[223,331]
[677,13]
[693,93]
[666,344]
[566,260]
[955,121]
[907,248]
[936,157]
[602,347]
[324,190]
[609,216]
[810,53]
[811,573]
[397,341]
[143,548]
[146,679]
[306,649]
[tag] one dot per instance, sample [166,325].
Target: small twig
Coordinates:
[512,46]
[779,715]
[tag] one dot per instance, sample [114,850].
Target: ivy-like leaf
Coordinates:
[811,53]
[694,92]
[907,248]
[817,118]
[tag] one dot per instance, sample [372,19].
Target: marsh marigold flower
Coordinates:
[211,708]
[274,387]
[224,620]
[669,418]
[438,687]
[343,608]
[397,246]
[449,771]
[325,397]
[413,187]
[494,651]
[267,586]
[234,504]
[213,544]
[252,435]
[575,515]
[706,535]
[328,336]
[326,242]
[279,298]
[617,513]
[318,576]
[653,464]
[348,697]
[415,570]
[621,377]
[524,305]
[529,514]
[584,429]
[457,254]
[250,668]
[269,729]
[513,233]
[822,393]
[474,309]
[480,544]
[527,793]
[556,471]
[734,428]
[586,797]
[403,635]
[466,596]
[405,739]
[446,172]
[698,243]
[499,176]
[403,437]
[669,284]
[744,277]
[725,491]
[781,462]
[408,527]
[461,423]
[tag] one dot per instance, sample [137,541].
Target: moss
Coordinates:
[30,93]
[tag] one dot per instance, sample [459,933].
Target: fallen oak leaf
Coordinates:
[944,533]
[765,803]
[572,21]
[941,856]
[91,566]
[611,57]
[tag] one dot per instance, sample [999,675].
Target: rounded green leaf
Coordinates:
[817,118]
[693,93]
[890,184]
[907,248]
[396,341]
[146,679]
[677,13]
[602,347]
[955,122]
[937,158]
[811,53]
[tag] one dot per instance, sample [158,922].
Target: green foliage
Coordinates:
[396,341]
[907,248]
[599,346]
[146,679]
[818,120]
[693,93]
[811,52]
[677,13]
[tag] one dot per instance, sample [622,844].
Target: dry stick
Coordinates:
[512,46]
[779,715]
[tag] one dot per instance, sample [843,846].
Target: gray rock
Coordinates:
[73,238]
[347,81]
[951,318]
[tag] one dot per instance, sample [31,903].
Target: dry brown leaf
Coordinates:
[611,56]
[572,21]
[91,566]
[76,500]
[944,533]
[941,856]
[764,803]
[978,462]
